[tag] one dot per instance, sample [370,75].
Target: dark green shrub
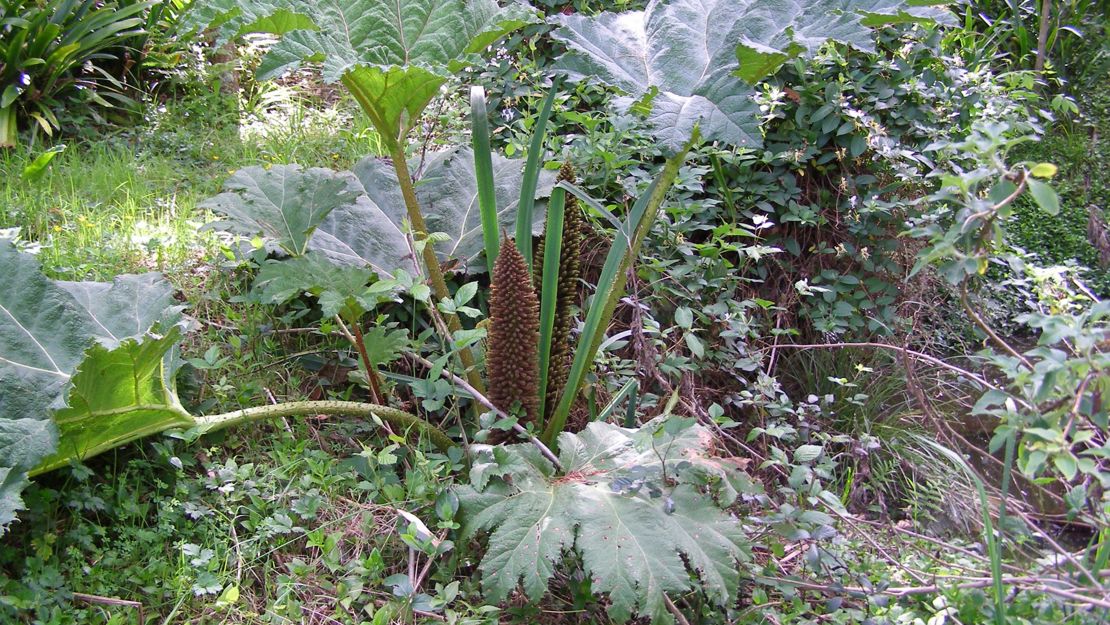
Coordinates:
[52,51]
[1083,182]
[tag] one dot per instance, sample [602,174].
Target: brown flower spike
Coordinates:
[512,361]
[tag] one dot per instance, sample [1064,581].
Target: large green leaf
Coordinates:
[127,307]
[448,194]
[118,396]
[283,203]
[92,338]
[682,57]
[638,535]
[393,56]
[362,222]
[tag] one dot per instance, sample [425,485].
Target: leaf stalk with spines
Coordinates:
[435,273]
[395,417]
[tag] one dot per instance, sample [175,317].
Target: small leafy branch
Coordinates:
[1050,412]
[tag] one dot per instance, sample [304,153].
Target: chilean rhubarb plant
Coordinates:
[90,366]
[392,56]
[633,504]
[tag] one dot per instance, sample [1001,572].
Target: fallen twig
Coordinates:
[87,598]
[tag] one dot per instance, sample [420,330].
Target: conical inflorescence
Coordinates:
[574,231]
[512,361]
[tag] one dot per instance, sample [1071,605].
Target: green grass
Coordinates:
[128,202]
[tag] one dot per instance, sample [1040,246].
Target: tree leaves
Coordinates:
[341,291]
[680,58]
[1044,196]
[637,534]
[92,337]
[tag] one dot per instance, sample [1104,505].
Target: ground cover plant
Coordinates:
[406,377]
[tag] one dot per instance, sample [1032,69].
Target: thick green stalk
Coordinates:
[549,291]
[435,274]
[614,276]
[483,171]
[398,418]
[393,139]
[9,127]
[531,178]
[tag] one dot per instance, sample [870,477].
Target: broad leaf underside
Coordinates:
[367,227]
[637,536]
[393,56]
[84,344]
[685,56]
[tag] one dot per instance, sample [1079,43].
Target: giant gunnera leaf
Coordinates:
[81,368]
[283,203]
[359,219]
[641,508]
[393,56]
[683,59]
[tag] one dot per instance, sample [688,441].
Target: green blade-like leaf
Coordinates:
[284,203]
[483,174]
[596,318]
[532,176]
[37,169]
[638,535]
[681,57]
[549,290]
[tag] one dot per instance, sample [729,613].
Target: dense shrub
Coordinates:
[1081,151]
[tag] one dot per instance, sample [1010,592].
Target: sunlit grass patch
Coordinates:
[128,203]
